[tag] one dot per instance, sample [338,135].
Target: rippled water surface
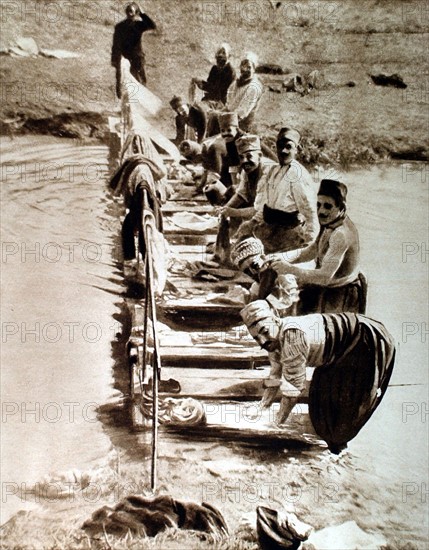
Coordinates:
[59,294]
[62,293]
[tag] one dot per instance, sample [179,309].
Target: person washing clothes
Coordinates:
[191,120]
[353,357]
[335,285]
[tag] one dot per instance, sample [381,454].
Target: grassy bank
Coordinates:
[350,120]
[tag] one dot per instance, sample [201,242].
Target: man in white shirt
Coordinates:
[286,201]
[245,93]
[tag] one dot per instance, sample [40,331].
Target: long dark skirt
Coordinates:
[349,298]
[344,392]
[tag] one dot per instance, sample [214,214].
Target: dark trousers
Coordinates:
[348,298]
[132,224]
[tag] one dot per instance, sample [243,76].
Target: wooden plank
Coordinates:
[173,207]
[187,194]
[184,282]
[290,437]
[242,423]
[171,230]
[183,305]
[187,238]
[141,125]
[201,357]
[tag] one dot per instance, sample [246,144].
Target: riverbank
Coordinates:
[350,120]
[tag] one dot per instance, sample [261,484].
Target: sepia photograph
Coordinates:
[214,274]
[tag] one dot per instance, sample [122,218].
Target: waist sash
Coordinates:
[278,217]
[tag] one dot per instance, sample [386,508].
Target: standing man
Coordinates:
[127,42]
[354,358]
[334,285]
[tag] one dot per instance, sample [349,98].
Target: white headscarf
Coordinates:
[252,57]
[224,46]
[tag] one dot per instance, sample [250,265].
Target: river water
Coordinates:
[61,294]
[60,291]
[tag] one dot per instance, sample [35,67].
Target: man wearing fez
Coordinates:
[285,203]
[353,358]
[127,42]
[220,155]
[253,167]
[334,285]
[191,120]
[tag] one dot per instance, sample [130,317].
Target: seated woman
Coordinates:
[335,285]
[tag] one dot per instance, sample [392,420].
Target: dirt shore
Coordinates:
[350,120]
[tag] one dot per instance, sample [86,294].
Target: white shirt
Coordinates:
[244,99]
[290,188]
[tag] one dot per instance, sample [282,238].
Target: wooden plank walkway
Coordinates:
[198,360]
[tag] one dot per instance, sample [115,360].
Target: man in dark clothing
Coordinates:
[220,78]
[190,119]
[127,43]
[240,206]
[219,155]
[230,132]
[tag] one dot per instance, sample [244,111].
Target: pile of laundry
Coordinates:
[150,516]
[302,84]
[195,223]
[184,411]
[27,47]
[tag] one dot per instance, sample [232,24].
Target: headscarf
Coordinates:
[256,311]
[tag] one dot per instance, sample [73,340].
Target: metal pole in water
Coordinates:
[156,361]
